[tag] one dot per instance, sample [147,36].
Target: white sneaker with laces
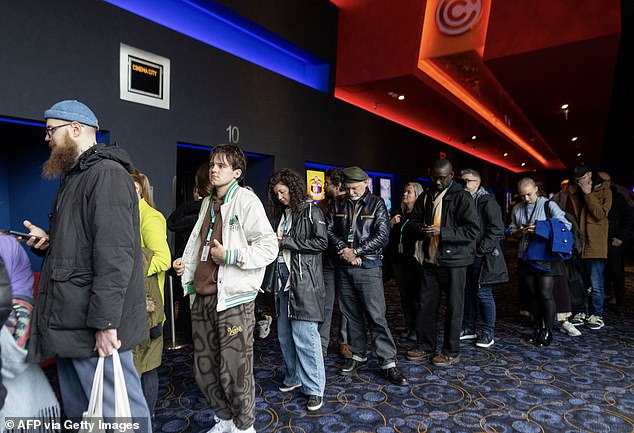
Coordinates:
[595,322]
[249,430]
[579,319]
[569,328]
[222,426]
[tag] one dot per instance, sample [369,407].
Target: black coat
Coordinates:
[92,275]
[493,268]
[306,240]
[371,230]
[459,226]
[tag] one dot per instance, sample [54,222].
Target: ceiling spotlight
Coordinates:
[506,154]
[579,154]
[574,139]
[473,137]
[564,107]
[401,97]
[523,164]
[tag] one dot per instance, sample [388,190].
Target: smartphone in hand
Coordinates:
[22,235]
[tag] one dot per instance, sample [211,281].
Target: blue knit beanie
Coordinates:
[73,111]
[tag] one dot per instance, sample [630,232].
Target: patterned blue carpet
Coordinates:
[581,384]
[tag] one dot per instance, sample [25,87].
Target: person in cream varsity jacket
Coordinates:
[224,263]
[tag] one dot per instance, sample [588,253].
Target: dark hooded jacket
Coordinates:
[493,269]
[306,241]
[92,275]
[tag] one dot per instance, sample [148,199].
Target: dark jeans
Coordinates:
[615,274]
[407,276]
[150,385]
[452,281]
[478,297]
[362,294]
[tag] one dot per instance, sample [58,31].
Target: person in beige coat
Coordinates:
[590,203]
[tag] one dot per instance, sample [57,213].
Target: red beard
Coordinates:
[62,158]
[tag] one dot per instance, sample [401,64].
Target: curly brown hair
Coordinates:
[296,187]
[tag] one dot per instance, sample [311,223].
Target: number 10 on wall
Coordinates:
[234,134]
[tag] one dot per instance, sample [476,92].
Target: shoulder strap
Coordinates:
[547,210]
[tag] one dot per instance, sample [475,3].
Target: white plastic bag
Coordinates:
[93,417]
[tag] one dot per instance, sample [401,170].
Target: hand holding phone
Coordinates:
[22,235]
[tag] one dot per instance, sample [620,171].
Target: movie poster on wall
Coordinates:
[315,184]
[386,192]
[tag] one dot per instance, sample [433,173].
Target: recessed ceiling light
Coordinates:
[401,97]
[564,107]
[506,154]
[523,164]
[574,139]
[473,137]
[579,154]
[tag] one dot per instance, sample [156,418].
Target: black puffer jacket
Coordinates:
[371,228]
[306,240]
[92,276]
[459,227]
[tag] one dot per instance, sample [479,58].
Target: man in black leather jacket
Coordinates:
[358,230]
[446,222]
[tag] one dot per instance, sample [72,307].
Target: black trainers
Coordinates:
[468,334]
[350,366]
[315,402]
[485,340]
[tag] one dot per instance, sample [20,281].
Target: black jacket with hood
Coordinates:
[306,240]
[493,269]
[459,227]
[92,275]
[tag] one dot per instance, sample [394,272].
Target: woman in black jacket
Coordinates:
[299,285]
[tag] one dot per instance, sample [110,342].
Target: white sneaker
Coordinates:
[222,426]
[249,430]
[264,326]
[595,322]
[569,328]
[579,319]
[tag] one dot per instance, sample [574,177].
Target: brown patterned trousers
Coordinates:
[223,358]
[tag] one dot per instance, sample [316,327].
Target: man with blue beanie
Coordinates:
[91,297]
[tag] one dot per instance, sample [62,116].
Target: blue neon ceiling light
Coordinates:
[224,29]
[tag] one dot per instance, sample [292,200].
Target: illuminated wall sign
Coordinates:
[144,77]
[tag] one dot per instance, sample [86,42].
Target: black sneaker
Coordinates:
[395,376]
[350,366]
[315,402]
[485,340]
[468,334]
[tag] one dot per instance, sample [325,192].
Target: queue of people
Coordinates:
[106,254]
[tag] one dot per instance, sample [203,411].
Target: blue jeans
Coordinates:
[301,347]
[593,304]
[362,295]
[478,296]
[75,382]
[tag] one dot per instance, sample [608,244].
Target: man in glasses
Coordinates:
[91,297]
[446,221]
[489,266]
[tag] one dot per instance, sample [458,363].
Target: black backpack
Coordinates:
[579,239]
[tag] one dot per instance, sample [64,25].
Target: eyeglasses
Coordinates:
[50,130]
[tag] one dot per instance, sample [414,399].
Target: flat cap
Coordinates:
[73,111]
[354,174]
